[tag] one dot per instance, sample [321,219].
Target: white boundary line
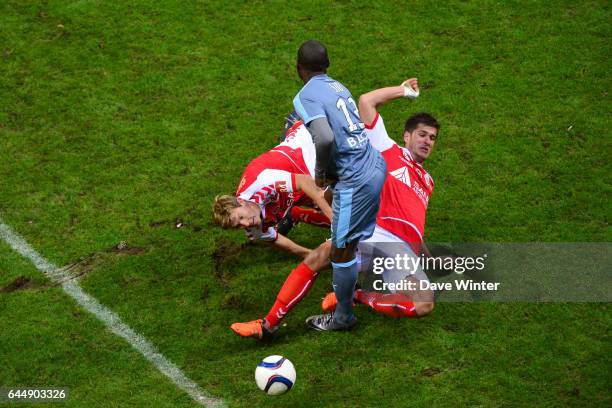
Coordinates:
[112,321]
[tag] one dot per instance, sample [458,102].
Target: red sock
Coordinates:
[296,286]
[391,304]
[310,216]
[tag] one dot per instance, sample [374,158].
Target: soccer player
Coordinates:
[345,158]
[400,222]
[273,186]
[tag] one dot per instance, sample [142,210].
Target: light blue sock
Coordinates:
[344,280]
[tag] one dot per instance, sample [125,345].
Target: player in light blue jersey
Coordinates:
[347,161]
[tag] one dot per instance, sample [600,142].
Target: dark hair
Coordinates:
[312,56]
[420,118]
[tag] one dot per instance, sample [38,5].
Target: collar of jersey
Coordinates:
[411,157]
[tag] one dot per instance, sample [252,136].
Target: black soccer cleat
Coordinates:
[290,120]
[326,322]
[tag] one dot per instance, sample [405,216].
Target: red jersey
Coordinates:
[407,188]
[269,179]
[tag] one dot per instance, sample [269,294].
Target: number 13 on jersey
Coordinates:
[341,104]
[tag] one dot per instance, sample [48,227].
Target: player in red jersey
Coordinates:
[400,222]
[273,186]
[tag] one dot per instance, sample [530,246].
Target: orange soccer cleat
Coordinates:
[254,329]
[329,302]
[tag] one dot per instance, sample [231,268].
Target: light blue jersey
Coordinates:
[353,159]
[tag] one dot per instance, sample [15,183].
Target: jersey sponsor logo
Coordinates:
[359,141]
[281,186]
[422,194]
[402,175]
[289,201]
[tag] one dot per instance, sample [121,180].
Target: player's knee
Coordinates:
[343,254]
[423,308]
[318,259]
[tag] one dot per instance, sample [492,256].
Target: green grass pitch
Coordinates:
[118,119]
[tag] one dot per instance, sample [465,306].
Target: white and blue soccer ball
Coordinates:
[275,375]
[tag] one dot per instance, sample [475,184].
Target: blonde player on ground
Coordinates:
[272,187]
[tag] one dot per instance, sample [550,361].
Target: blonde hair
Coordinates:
[222,209]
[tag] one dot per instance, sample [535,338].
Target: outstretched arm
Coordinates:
[272,237]
[307,185]
[288,245]
[369,102]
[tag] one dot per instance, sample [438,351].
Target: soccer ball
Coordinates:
[275,375]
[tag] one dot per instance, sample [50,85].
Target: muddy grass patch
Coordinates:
[226,257]
[89,263]
[20,283]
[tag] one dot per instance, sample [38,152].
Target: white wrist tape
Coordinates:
[408,91]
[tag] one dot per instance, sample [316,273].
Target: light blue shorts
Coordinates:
[355,208]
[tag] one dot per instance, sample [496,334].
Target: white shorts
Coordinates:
[384,244]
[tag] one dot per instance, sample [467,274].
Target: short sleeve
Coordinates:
[377,133]
[308,108]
